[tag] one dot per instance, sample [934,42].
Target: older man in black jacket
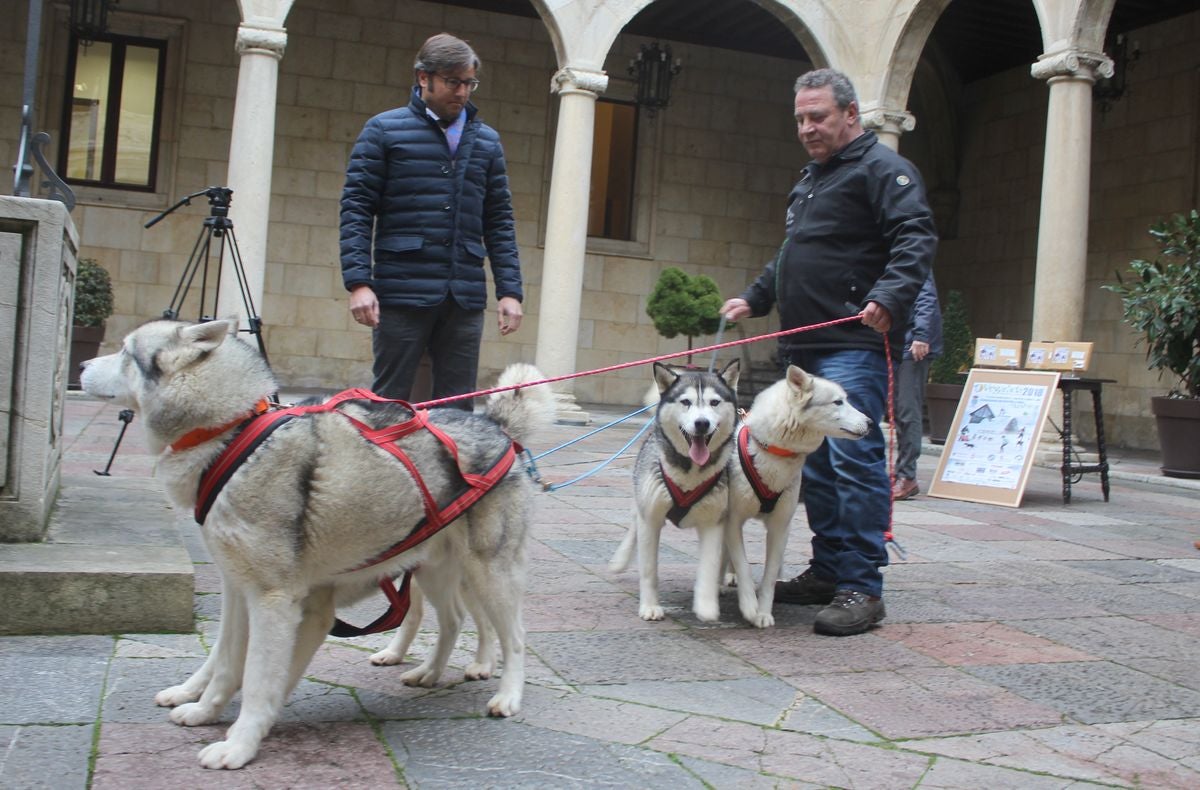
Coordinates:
[860,240]
[428,185]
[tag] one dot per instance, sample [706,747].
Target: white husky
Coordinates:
[787,421]
[681,475]
[321,510]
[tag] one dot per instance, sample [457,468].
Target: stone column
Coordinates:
[566,233]
[889,124]
[251,149]
[1061,274]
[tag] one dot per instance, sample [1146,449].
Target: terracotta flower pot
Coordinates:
[85,345]
[941,400]
[1178,421]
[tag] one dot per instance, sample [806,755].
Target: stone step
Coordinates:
[113,561]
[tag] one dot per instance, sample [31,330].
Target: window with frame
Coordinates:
[112,113]
[614,164]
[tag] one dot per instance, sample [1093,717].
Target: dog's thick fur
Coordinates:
[314,501]
[691,442]
[793,415]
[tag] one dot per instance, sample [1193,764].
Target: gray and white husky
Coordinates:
[295,525]
[787,421]
[681,474]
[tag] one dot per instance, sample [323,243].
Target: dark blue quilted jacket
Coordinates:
[432,217]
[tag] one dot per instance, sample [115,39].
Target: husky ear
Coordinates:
[798,378]
[208,335]
[731,373]
[664,377]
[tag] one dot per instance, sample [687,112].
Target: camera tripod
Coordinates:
[216,225]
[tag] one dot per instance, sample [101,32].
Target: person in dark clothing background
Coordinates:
[922,344]
[860,240]
[426,198]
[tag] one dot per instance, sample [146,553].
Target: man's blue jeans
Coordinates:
[847,494]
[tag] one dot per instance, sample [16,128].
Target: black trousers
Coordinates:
[449,333]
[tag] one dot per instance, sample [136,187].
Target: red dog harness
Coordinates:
[766,497]
[683,501]
[256,429]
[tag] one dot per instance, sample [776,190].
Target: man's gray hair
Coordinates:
[843,89]
[445,52]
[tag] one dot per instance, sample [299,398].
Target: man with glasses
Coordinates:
[427,187]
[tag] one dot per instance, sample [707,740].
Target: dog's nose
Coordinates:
[701,426]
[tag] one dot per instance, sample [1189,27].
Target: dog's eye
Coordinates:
[685,402]
[715,402]
[838,402]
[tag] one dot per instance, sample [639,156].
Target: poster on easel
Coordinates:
[989,452]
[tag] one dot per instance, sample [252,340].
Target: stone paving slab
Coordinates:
[979,643]
[45,758]
[1095,692]
[300,755]
[916,702]
[1109,754]
[510,754]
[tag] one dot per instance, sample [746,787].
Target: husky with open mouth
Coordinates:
[681,476]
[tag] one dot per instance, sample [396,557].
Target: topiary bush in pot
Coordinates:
[93,305]
[683,304]
[945,386]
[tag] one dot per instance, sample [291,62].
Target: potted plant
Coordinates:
[945,386]
[681,304]
[1162,302]
[93,306]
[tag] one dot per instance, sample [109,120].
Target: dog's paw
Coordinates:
[423,675]
[648,612]
[193,714]
[227,754]
[504,705]
[762,620]
[478,671]
[387,658]
[707,612]
[176,695]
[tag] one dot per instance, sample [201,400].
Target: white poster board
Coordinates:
[989,451]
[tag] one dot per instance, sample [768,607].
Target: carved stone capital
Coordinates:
[571,80]
[1072,64]
[882,119]
[262,40]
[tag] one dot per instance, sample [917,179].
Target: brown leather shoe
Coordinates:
[905,488]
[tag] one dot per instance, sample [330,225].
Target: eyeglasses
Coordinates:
[453,83]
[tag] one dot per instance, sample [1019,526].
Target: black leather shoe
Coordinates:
[851,612]
[807,588]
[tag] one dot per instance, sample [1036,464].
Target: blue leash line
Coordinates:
[531,459]
[593,432]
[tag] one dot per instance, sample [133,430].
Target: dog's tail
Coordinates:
[521,412]
[624,553]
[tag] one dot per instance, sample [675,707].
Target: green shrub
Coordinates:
[682,304]
[958,343]
[1162,302]
[93,294]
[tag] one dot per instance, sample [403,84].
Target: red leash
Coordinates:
[429,404]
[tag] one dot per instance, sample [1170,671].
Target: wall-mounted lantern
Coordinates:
[653,70]
[1107,90]
[89,18]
